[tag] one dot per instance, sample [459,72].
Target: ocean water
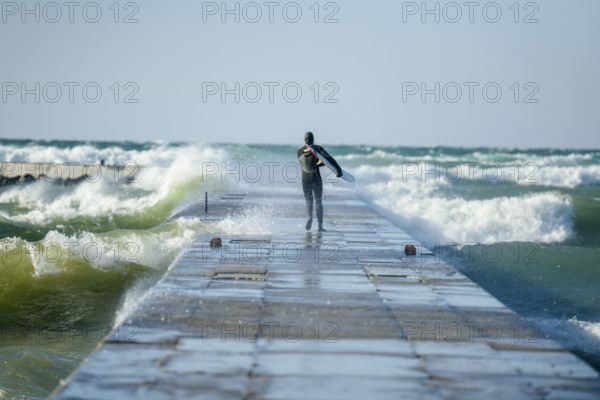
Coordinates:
[524,224]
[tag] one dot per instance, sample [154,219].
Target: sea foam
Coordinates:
[434,215]
[166,175]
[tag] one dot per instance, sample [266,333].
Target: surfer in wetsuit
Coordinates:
[312,184]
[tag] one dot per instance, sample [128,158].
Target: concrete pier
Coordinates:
[65,173]
[339,315]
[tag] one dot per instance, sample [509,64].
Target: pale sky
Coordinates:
[368,72]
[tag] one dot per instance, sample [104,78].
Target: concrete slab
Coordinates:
[340,315]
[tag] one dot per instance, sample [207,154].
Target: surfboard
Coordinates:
[345,174]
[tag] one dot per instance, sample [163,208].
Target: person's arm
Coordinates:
[331,160]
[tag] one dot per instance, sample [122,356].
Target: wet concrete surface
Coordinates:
[339,315]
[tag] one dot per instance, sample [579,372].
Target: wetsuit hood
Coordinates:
[309,138]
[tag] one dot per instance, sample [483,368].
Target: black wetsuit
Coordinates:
[312,184]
